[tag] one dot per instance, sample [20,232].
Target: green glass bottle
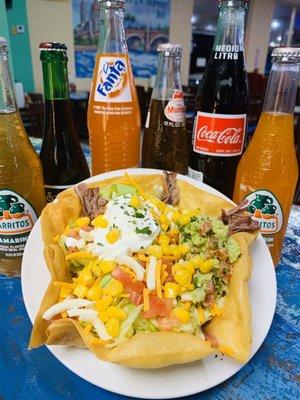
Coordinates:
[63,161]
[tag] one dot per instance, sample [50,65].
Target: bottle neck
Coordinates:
[55,75]
[111,28]
[7,99]
[168,78]
[231,26]
[282,88]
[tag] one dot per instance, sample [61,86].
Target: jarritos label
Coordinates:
[17,218]
[113,80]
[175,110]
[220,135]
[266,209]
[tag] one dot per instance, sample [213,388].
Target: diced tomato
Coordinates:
[167,324]
[74,234]
[135,297]
[158,307]
[170,277]
[135,289]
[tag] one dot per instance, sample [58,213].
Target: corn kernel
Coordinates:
[206,266]
[135,202]
[86,277]
[175,216]
[107,266]
[80,291]
[182,315]
[171,290]
[189,266]
[186,305]
[65,292]
[103,304]
[114,288]
[163,219]
[183,277]
[184,219]
[166,249]
[113,235]
[84,221]
[196,261]
[96,268]
[116,312]
[104,316]
[184,248]
[94,293]
[163,239]
[155,251]
[175,250]
[100,222]
[113,327]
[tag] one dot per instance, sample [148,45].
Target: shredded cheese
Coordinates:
[158,278]
[146,300]
[87,328]
[150,280]
[133,264]
[65,305]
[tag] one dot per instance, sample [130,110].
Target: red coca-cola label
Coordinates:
[219,134]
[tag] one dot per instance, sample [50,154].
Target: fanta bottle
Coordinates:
[267,173]
[113,113]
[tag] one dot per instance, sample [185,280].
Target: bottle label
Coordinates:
[17,218]
[227,52]
[192,173]
[113,80]
[52,191]
[174,110]
[266,209]
[219,135]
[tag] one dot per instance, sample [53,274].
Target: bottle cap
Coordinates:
[55,46]
[287,53]
[3,44]
[170,48]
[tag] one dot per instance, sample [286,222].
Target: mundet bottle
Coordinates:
[268,171]
[22,194]
[113,114]
[63,161]
[165,143]
[222,104]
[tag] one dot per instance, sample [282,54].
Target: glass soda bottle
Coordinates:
[267,173]
[63,161]
[113,113]
[165,143]
[222,104]
[22,194]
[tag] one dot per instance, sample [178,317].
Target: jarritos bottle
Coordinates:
[267,173]
[165,143]
[222,104]
[113,113]
[22,195]
[63,161]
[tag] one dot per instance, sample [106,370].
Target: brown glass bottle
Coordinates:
[165,144]
[63,161]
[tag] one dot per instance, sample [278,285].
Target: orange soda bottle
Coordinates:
[113,113]
[268,171]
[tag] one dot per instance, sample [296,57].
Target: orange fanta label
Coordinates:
[219,134]
[113,115]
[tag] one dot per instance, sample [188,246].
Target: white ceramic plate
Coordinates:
[166,383]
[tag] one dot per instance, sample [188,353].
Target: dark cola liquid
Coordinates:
[224,90]
[165,144]
[61,155]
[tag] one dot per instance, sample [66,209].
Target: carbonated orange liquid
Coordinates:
[113,115]
[267,175]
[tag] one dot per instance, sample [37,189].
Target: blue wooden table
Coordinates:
[273,373]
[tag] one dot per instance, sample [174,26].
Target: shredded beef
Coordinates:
[92,203]
[205,227]
[238,220]
[171,193]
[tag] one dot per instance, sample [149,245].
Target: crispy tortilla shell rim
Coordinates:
[232,329]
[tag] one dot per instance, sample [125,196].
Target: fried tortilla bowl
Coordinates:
[229,333]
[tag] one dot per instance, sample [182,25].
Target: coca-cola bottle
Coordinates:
[222,104]
[165,144]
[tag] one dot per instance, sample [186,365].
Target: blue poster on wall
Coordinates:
[146,25]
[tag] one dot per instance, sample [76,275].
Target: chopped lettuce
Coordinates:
[144,325]
[233,248]
[196,296]
[115,190]
[105,280]
[126,325]
[200,279]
